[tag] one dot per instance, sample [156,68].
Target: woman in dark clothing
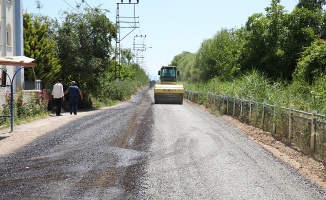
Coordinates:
[73,92]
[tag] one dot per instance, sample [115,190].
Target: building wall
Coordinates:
[14,40]
[14,46]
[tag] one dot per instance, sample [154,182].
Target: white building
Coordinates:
[11,40]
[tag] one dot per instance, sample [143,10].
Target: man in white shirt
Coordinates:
[58,96]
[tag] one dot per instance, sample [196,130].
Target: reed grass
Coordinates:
[301,95]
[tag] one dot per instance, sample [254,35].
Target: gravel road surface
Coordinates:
[141,150]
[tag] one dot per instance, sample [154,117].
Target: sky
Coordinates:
[166,28]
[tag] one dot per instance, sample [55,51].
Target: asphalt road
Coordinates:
[141,150]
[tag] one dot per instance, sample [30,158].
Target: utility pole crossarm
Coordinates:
[133,26]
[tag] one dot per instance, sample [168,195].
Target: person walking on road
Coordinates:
[58,96]
[73,92]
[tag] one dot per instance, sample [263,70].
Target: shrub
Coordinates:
[23,110]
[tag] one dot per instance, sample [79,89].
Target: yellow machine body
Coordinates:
[167,90]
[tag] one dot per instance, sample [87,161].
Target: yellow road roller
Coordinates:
[167,91]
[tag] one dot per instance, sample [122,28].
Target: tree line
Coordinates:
[80,48]
[283,46]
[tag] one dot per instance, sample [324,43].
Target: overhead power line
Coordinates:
[70,5]
[84,1]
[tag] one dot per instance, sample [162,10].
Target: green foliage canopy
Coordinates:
[39,45]
[85,49]
[270,43]
[312,63]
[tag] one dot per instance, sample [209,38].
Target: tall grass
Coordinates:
[260,89]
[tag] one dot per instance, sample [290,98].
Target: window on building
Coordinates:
[9,35]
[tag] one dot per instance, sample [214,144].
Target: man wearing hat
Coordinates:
[73,92]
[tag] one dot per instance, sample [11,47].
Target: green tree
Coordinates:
[85,49]
[224,53]
[178,58]
[265,38]
[311,4]
[303,28]
[274,42]
[312,63]
[216,57]
[204,63]
[40,46]
[275,65]
[184,63]
[254,48]
[186,66]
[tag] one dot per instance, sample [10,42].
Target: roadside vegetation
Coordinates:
[77,47]
[80,48]
[278,57]
[259,88]
[23,110]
